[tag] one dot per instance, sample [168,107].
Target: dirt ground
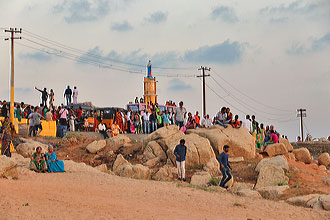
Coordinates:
[103,196]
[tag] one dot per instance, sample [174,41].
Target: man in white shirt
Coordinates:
[75,95]
[146,124]
[180,115]
[206,122]
[247,124]
[103,130]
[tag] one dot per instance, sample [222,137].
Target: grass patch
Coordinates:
[290,175]
[26,204]
[204,188]
[214,181]
[70,135]
[282,183]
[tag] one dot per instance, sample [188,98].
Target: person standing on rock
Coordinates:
[180,115]
[180,152]
[75,95]
[225,167]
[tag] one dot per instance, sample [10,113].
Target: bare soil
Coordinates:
[103,196]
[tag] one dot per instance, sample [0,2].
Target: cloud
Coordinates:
[223,53]
[224,14]
[316,45]
[297,7]
[38,56]
[121,27]
[77,11]
[178,85]
[156,17]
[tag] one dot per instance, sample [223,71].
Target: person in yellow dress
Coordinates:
[115,129]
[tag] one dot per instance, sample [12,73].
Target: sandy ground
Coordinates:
[102,196]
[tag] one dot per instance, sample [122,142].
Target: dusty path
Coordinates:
[102,196]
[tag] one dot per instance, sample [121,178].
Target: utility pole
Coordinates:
[13,31]
[301,114]
[203,68]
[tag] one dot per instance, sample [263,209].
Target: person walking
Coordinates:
[224,167]
[180,115]
[44,96]
[67,95]
[75,95]
[180,153]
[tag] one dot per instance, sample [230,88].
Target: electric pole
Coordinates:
[301,114]
[13,31]
[203,68]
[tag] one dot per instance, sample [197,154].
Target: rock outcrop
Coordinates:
[118,141]
[96,146]
[212,167]
[8,167]
[166,173]
[287,144]
[303,155]
[27,148]
[200,178]
[271,175]
[278,161]
[324,159]
[276,149]
[272,192]
[241,142]
[122,167]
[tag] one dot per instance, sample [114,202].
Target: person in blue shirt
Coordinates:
[180,152]
[224,167]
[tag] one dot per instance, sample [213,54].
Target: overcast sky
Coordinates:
[275,54]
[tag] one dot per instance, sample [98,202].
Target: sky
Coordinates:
[267,58]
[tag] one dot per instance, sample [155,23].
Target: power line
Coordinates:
[98,56]
[253,99]
[76,58]
[250,107]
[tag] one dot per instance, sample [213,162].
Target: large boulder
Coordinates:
[122,167]
[241,142]
[162,133]
[324,159]
[276,149]
[271,175]
[278,161]
[302,200]
[154,150]
[290,157]
[118,141]
[166,173]
[120,160]
[303,155]
[287,144]
[199,150]
[272,192]
[8,167]
[28,148]
[200,178]
[96,146]
[325,200]
[212,167]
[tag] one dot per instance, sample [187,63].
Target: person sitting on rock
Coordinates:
[191,123]
[180,152]
[115,129]
[221,117]
[224,167]
[103,130]
[53,164]
[38,162]
[236,123]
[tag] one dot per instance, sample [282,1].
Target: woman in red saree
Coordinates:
[119,120]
